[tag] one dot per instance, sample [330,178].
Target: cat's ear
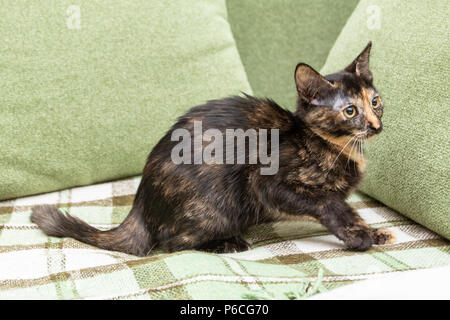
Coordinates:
[360,66]
[309,82]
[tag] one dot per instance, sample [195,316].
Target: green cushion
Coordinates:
[274,35]
[85,102]
[409,163]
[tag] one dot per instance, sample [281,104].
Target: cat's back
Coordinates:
[236,112]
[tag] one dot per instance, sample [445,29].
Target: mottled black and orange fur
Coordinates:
[209,206]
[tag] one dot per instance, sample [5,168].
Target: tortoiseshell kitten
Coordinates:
[209,206]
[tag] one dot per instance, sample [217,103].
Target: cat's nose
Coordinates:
[375,126]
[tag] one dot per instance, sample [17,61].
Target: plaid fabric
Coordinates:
[287,259]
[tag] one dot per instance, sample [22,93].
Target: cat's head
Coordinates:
[342,105]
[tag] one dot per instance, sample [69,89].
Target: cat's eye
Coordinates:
[376,102]
[350,112]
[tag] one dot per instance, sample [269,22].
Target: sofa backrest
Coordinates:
[274,35]
[87,89]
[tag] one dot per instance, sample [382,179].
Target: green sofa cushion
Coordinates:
[87,90]
[274,35]
[409,163]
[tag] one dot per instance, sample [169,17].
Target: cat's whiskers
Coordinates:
[332,165]
[362,150]
[359,139]
[351,151]
[354,159]
[356,163]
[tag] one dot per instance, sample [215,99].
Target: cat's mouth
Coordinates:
[371,134]
[361,136]
[367,135]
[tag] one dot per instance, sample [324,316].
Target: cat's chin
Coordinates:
[368,138]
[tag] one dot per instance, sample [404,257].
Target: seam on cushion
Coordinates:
[237,48]
[339,35]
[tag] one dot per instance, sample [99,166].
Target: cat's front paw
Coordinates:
[383,236]
[358,239]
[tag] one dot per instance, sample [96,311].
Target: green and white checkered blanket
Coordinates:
[287,259]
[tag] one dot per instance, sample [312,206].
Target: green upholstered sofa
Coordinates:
[87,89]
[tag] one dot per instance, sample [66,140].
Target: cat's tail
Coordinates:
[131,236]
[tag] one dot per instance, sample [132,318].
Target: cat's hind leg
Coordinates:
[200,241]
[204,227]
[229,245]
